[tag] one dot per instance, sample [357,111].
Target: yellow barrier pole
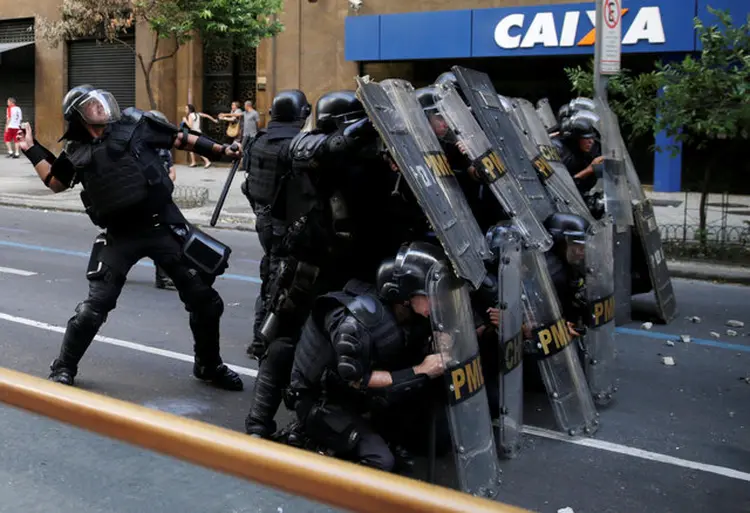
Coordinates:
[301,473]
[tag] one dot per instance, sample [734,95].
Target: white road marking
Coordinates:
[637,453]
[122,343]
[530,430]
[19,272]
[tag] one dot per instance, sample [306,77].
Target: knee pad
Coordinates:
[202,299]
[86,317]
[281,350]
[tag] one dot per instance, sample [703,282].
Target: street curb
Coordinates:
[243,227]
[707,271]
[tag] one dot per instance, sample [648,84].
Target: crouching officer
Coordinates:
[359,345]
[115,157]
[579,149]
[268,160]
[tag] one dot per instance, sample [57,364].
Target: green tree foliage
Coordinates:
[703,98]
[234,24]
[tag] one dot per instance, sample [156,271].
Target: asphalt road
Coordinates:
[676,439]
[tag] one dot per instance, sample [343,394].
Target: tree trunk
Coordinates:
[703,236]
[147,79]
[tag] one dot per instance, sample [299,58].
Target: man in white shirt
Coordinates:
[12,126]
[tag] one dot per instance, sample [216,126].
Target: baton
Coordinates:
[224,192]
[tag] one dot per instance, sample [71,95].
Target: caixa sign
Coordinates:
[647,26]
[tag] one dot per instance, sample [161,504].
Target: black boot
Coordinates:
[219,375]
[79,334]
[266,401]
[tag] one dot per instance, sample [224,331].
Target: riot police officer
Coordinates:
[267,157]
[125,190]
[578,148]
[360,346]
[161,280]
[315,246]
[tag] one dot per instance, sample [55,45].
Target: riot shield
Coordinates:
[491,168]
[599,341]
[555,351]
[510,424]
[502,133]
[455,339]
[559,181]
[547,115]
[395,112]
[645,223]
[614,180]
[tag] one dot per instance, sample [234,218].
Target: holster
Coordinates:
[203,251]
[333,427]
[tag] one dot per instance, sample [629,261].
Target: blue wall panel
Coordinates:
[425,35]
[362,38]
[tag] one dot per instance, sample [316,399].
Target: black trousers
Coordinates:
[270,234]
[107,275]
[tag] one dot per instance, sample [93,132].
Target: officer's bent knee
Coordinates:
[88,316]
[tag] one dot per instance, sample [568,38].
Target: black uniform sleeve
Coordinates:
[157,134]
[63,171]
[351,342]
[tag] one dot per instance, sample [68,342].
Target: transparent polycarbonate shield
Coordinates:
[555,350]
[547,115]
[454,336]
[395,112]
[509,429]
[599,342]
[559,181]
[502,132]
[490,166]
[614,179]
[648,230]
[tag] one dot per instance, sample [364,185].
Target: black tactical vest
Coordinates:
[123,178]
[267,165]
[315,354]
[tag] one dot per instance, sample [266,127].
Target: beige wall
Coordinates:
[310,54]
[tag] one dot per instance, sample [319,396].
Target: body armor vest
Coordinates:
[122,177]
[267,166]
[315,354]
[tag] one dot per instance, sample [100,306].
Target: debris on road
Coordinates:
[694,319]
[670,343]
[735,324]
[731,333]
[566,510]
[647,325]
[685,339]
[746,380]
[667,360]
[715,335]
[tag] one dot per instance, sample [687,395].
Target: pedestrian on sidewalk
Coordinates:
[250,122]
[235,128]
[13,119]
[193,120]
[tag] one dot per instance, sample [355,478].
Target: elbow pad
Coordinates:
[352,344]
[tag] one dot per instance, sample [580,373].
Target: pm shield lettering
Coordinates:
[455,339]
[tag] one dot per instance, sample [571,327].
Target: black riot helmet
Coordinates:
[563,113]
[336,109]
[400,278]
[93,106]
[569,234]
[290,105]
[581,103]
[502,232]
[581,125]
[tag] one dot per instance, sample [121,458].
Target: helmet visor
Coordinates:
[98,108]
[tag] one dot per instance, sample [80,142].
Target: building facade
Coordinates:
[522,44]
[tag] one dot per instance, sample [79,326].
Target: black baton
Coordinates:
[224,192]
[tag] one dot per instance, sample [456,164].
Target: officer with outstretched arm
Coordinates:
[114,155]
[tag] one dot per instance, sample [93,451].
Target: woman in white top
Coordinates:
[193,120]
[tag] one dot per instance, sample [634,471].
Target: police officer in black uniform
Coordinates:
[162,281]
[115,157]
[579,149]
[315,248]
[268,161]
[358,348]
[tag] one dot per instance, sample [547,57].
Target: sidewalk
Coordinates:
[21,187]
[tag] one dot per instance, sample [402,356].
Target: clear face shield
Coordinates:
[441,128]
[575,250]
[98,108]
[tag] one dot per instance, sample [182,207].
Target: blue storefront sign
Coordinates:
[649,26]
